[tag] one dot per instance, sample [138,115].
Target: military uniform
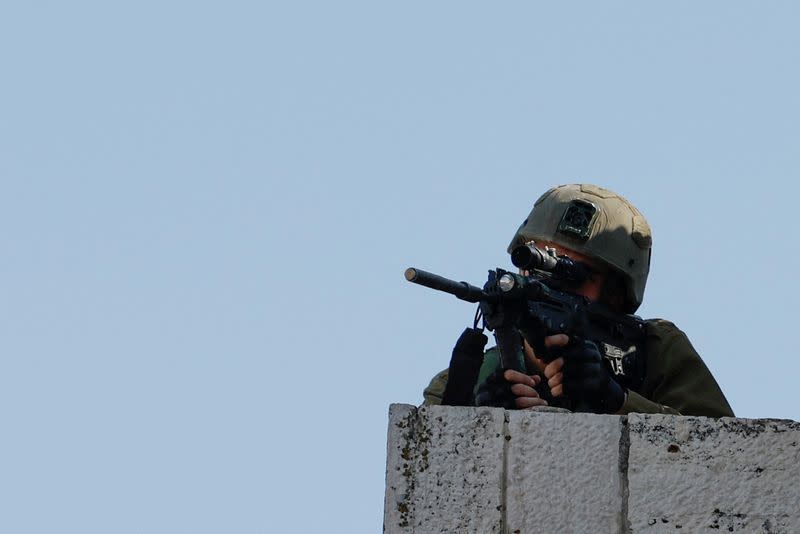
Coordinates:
[604,226]
[676,379]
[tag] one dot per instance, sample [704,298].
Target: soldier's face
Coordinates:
[593,286]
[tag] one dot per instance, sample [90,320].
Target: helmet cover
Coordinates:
[597,223]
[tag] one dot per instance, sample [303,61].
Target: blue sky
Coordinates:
[208,208]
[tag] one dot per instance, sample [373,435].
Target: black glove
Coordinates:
[588,381]
[495,391]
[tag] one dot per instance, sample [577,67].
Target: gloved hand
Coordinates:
[495,391]
[587,379]
[510,390]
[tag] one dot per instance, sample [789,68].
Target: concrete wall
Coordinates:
[490,470]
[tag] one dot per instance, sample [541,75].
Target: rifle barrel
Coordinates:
[462,290]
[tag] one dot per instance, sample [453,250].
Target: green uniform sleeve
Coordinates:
[638,404]
[677,381]
[432,395]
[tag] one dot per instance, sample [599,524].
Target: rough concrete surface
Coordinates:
[489,470]
[444,470]
[701,474]
[563,473]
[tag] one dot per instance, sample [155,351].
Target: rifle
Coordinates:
[533,306]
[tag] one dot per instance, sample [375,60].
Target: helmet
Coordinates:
[597,223]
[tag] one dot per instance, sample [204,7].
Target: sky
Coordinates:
[207,208]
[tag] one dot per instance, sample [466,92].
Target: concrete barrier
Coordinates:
[490,470]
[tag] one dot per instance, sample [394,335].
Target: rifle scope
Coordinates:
[530,258]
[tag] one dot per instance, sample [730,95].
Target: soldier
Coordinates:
[608,234]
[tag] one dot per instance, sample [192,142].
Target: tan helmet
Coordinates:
[597,223]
